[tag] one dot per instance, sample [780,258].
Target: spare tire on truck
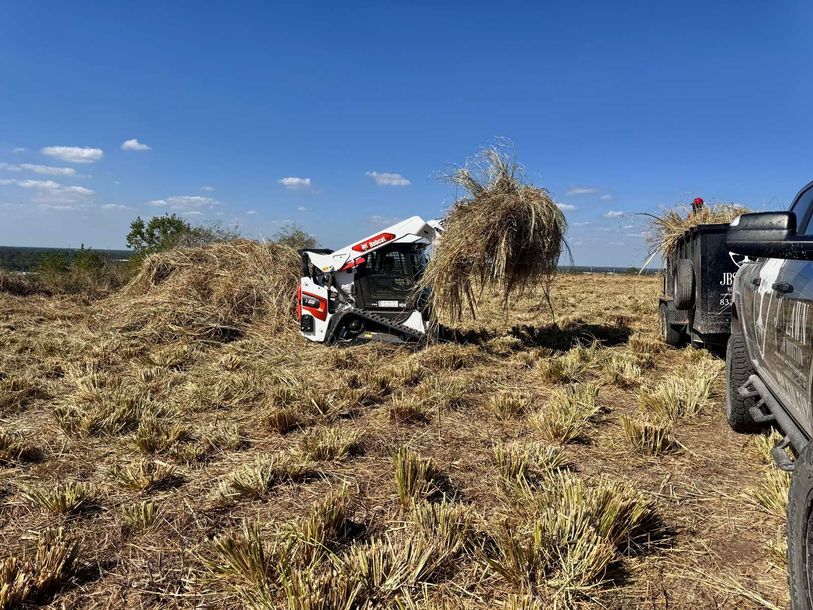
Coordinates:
[684,284]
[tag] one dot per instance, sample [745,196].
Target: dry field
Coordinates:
[523,466]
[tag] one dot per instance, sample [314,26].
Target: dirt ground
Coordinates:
[168,438]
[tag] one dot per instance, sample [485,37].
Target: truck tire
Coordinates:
[670,335]
[684,284]
[737,371]
[800,531]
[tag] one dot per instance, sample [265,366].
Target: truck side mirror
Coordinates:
[768,235]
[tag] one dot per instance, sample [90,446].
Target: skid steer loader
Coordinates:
[366,291]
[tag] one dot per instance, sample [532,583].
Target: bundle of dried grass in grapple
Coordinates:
[505,234]
[213,292]
[665,231]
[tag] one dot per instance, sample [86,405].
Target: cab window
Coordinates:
[803,208]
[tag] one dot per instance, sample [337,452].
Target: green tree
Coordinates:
[296,237]
[158,234]
[89,262]
[52,263]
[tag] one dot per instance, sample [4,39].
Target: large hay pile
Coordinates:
[212,292]
[506,234]
[665,231]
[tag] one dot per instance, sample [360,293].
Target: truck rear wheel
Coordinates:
[684,284]
[737,371]
[670,335]
[800,532]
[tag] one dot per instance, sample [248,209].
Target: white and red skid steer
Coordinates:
[366,291]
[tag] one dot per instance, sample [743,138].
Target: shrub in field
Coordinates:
[567,412]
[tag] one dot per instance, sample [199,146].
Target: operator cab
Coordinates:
[386,279]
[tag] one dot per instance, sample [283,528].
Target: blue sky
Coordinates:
[614,107]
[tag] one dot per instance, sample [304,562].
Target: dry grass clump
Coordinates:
[415,476]
[61,499]
[677,397]
[138,516]
[327,444]
[573,366]
[408,408]
[649,437]
[155,435]
[505,234]
[24,580]
[666,231]
[624,370]
[211,293]
[764,443]
[144,475]
[509,404]
[558,541]
[16,448]
[16,393]
[256,480]
[772,492]
[567,412]
[527,462]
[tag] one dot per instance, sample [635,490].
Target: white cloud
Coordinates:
[208,189]
[134,144]
[582,190]
[382,221]
[566,207]
[48,170]
[116,206]
[48,193]
[251,212]
[293,183]
[18,150]
[53,195]
[185,202]
[581,224]
[302,208]
[193,212]
[607,197]
[12,206]
[388,179]
[74,154]
[614,214]
[616,243]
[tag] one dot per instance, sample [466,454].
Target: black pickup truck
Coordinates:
[769,360]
